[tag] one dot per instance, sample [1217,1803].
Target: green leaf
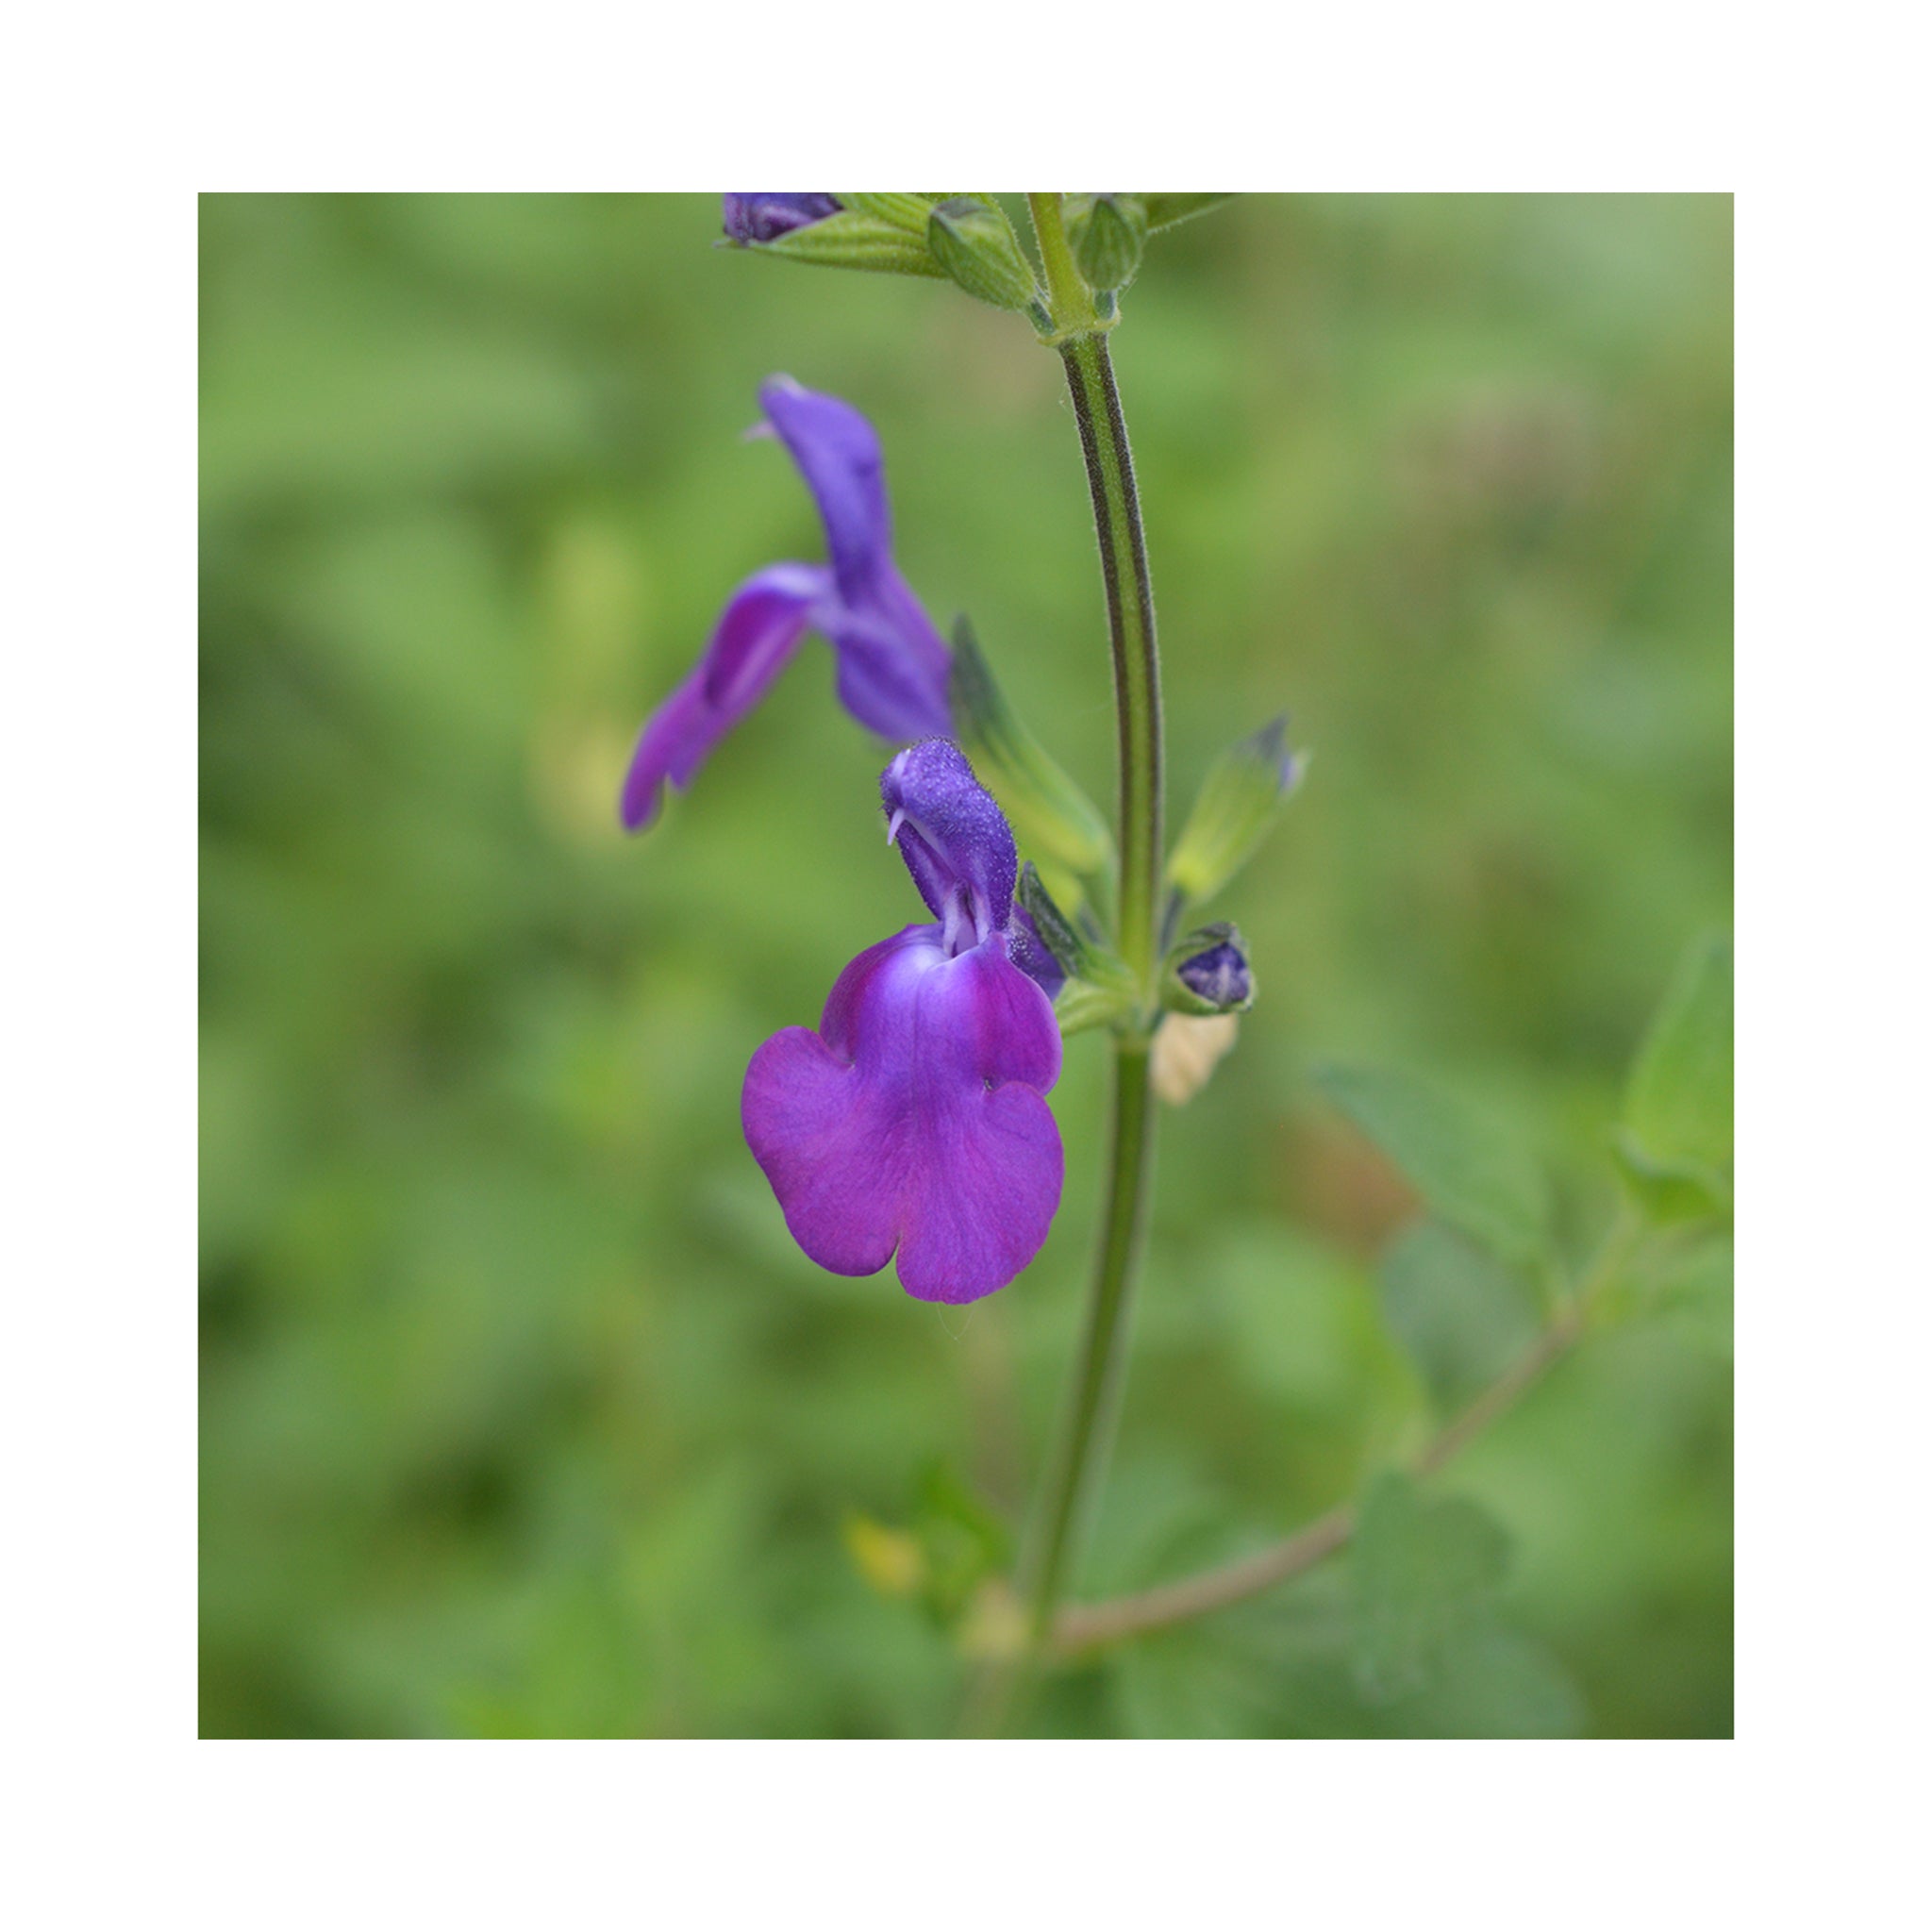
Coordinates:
[1423,1571]
[1461,1317]
[1469,1171]
[962,1541]
[1675,1143]
[1495,1682]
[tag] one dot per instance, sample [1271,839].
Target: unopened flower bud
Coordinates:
[764,217]
[1107,233]
[972,240]
[1208,972]
[833,230]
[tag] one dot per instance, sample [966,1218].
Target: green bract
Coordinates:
[1232,810]
[1054,820]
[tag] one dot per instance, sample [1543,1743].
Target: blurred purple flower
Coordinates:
[765,217]
[914,1119]
[893,666]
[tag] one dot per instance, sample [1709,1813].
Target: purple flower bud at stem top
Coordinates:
[765,217]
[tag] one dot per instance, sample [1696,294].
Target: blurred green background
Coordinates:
[520,1414]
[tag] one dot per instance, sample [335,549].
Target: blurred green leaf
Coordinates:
[1421,1570]
[1695,1293]
[1495,1682]
[1675,1141]
[1461,1316]
[963,1540]
[1467,1167]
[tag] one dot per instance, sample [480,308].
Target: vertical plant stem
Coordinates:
[1073,1479]
[1072,1485]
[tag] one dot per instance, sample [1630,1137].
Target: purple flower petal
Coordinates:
[956,839]
[760,630]
[765,217]
[893,673]
[894,668]
[837,452]
[1032,956]
[913,1120]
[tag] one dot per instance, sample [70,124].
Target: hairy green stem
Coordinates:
[1072,1485]
[1130,624]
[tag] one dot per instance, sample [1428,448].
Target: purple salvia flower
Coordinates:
[914,1119]
[893,666]
[765,217]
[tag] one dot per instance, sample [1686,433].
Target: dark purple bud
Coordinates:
[765,217]
[1220,976]
[1207,972]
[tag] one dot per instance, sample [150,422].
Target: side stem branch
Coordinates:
[1088,1626]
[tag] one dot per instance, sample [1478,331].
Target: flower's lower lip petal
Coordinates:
[829,1155]
[985,1203]
[916,1119]
[756,636]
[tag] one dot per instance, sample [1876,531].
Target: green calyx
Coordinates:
[860,235]
[1099,988]
[1233,810]
[1053,817]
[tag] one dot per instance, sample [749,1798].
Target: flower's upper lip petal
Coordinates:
[756,634]
[916,1119]
[838,453]
[955,835]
